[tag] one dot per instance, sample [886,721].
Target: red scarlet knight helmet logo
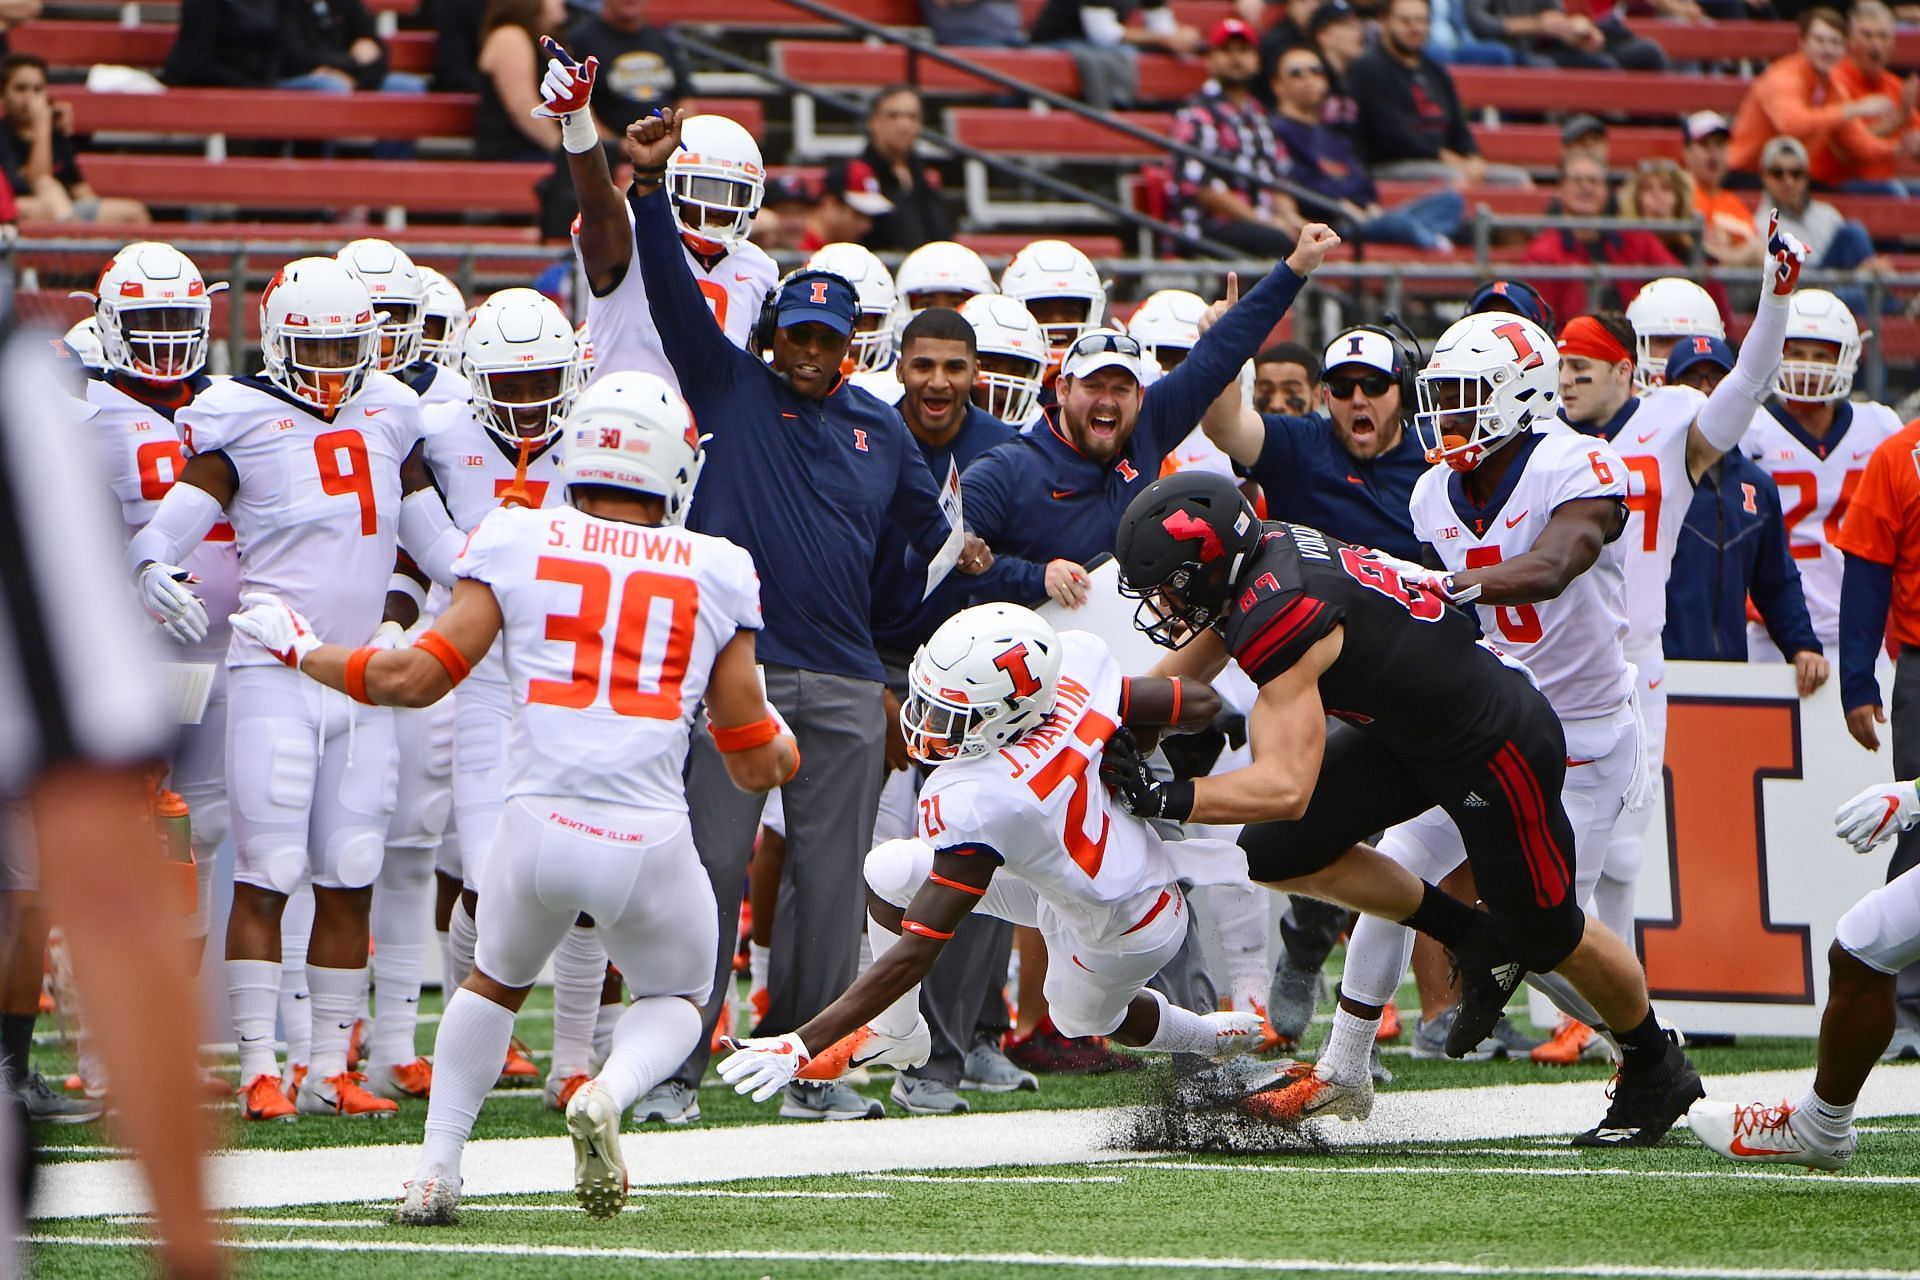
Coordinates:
[1183,525]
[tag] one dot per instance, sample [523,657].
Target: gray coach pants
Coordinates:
[830,804]
[1904,723]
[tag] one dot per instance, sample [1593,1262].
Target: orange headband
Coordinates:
[1585,336]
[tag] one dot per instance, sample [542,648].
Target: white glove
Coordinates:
[391,635]
[1785,256]
[277,626]
[1876,813]
[565,91]
[1434,581]
[765,1066]
[163,591]
[1233,1033]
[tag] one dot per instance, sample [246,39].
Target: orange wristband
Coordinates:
[939,879]
[744,737]
[441,650]
[356,679]
[1175,682]
[914,926]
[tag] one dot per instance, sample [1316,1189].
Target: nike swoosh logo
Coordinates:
[1644,438]
[1514,520]
[1355,480]
[1859,454]
[742,279]
[1575,764]
[300,995]
[374,413]
[1893,807]
[593,1152]
[1740,1148]
[1063,493]
[1655,684]
[1076,960]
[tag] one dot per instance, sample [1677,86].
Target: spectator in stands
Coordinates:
[919,214]
[1411,126]
[1293,27]
[848,203]
[1733,548]
[1224,119]
[1546,34]
[1863,74]
[1322,160]
[41,162]
[1832,240]
[1659,192]
[1451,42]
[1585,133]
[511,64]
[1583,194]
[330,46]
[1798,96]
[1340,37]
[1730,237]
[225,44]
[1286,379]
[784,210]
[641,65]
[979,24]
[1105,48]
[12,14]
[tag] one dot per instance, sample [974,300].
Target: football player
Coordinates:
[444,319]
[1667,438]
[1877,937]
[1014,822]
[521,357]
[1815,443]
[616,623]
[304,461]
[1427,714]
[399,291]
[1662,313]
[1060,288]
[714,180]
[940,273]
[1012,359]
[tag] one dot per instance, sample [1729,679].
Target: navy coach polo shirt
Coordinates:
[1309,478]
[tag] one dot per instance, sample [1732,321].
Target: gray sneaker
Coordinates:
[1378,1069]
[1292,998]
[828,1100]
[924,1097]
[1430,1040]
[1515,1043]
[1905,1044]
[48,1105]
[669,1102]
[990,1071]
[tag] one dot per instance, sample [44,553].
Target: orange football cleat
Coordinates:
[349,1099]
[560,1092]
[292,1087]
[1302,1095]
[407,1080]
[1389,1028]
[1270,1040]
[518,1071]
[262,1099]
[1569,1042]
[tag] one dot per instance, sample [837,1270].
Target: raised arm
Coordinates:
[603,233]
[1724,418]
[692,339]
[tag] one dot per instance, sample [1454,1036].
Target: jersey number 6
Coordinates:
[639,683]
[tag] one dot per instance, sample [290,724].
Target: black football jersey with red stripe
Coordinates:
[1411,672]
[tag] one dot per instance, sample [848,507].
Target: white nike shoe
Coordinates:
[868,1047]
[1758,1134]
[1235,1033]
[431,1201]
[599,1172]
[1301,1095]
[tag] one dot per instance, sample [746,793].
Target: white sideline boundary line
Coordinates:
[1807,1177]
[703,1156]
[1078,1262]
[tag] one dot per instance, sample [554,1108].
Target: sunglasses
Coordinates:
[1371,385]
[1093,344]
[1791,174]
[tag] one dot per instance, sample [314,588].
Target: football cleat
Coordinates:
[599,1172]
[349,1099]
[921,1096]
[402,1080]
[758,1001]
[1488,979]
[827,1100]
[290,1083]
[1430,1039]
[1291,1000]
[1389,1028]
[262,1099]
[46,1105]
[1572,1041]
[1758,1134]
[669,1102]
[866,1047]
[518,1071]
[1645,1103]
[430,1202]
[1302,1095]
[560,1089]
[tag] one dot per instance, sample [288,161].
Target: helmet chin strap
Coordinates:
[517,494]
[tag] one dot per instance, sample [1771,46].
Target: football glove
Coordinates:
[391,635]
[1124,768]
[1876,813]
[276,626]
[565,91]
[764,1066]
[1785,256]
[164,594]
[1434,581]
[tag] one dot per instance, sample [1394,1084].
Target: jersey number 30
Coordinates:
[652,639]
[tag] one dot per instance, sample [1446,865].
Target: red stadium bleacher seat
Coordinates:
[417,186]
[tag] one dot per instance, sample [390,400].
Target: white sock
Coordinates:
[461,936]
[900,1017]
[1345,1059]
[1832,1119]
[579,971]
[1180,1030]
[653,1037]
[253,991]
[1377,956]
[603,1025]
[758,957]
[402,912]
[467,1054]
[447,981]
[336,1006]
[296,1010]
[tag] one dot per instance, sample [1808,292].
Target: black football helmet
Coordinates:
[1181,545]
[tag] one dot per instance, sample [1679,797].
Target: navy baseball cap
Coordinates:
[1696,349]
[1520,298]
[817,297]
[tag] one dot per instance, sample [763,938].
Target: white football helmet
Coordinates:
[872,283]
[152,313]
[1049,269]
[632,430]
[398,291]
[1815,315]
[1168,319]
[443,319]
[83,340]
[1669,307]
[1491,377]
[940,267]
[523,362]
[988,675]
[319,332]
[715,182]
[1006,333]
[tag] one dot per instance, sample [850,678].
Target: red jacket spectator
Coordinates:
[1799,97]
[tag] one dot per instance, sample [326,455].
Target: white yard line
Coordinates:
[1805,1177]
[703,1156]
[979,1177]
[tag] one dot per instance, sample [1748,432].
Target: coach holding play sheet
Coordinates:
[804,471]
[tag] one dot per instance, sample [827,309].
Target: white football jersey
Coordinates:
[318,506]
[1816,479]
[881,384]
[610,631]
[143,458]
[1039,804]
[624,337]
[437,384]
[1574,644]
[1197,453]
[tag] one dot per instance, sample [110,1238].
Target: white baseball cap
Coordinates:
[1362,346]
[1102,349]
